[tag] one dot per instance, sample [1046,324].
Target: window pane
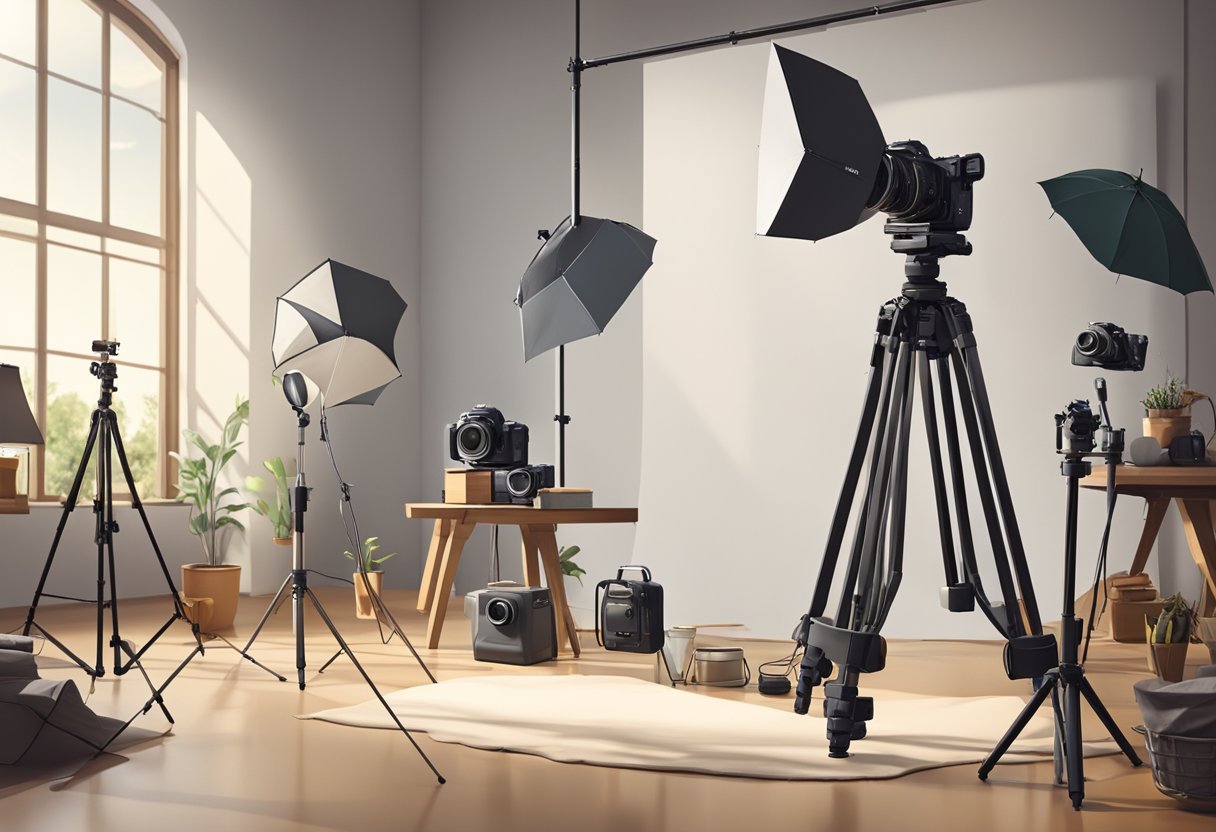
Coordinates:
[18,164]
[73,288]
[136,404]
[18,262]
[135,169]
[18,27]
[71,396]
[135,313]
[134,73]
[135,252]
[73,238]
[73,150]
[74,41]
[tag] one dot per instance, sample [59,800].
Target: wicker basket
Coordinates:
[1184,768]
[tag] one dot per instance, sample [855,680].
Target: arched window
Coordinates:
[89,223]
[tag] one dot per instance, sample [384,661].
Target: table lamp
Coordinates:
[18,431]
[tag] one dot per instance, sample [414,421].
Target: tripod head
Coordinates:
[923,247]
[1077,425]
[105,370]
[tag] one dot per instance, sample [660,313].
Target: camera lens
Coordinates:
[500,611]
[519,482]
[473,440]
[1095,342]
[908,187]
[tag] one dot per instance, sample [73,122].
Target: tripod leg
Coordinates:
[844,502]
[929,409]
[270,608]
[298,589]
[899,498]
[304,590]
[1108,722]
[105,477]
[1019,724]
[1074,754]
[965,338]
[70,504]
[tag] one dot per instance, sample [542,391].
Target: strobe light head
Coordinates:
[299,392]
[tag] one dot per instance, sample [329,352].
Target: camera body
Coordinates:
[630,615]
[515,626]
[106,347]
[914,187]
[1107,345]
[482,438]
[519,485]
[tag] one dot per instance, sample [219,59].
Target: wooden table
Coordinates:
[1193,489]
[537,529]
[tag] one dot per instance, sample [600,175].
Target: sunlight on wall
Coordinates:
[218,299]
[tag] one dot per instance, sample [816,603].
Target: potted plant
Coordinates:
[1168,637]
[375,577]
[278,514]
[1167,412]
[565,559]
[210,513]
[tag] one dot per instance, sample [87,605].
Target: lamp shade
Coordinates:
[17,425]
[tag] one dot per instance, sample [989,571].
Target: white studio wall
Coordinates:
[755,350]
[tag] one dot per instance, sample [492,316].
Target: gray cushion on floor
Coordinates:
[1179,709]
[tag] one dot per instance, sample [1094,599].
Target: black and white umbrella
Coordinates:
[578,280]
[820,150]
[336,325]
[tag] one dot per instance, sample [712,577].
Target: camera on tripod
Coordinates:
[1075,429]
[483,438]
[914,187]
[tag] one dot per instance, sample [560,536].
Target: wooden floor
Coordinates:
[236,759]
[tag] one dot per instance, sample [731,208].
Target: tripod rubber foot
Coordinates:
[983,775]
[837,754]
[442,780]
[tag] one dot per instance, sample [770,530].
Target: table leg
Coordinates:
[531,556]
[546,540]
[434,556]
[1197,521]
[1157,507]
[447,576]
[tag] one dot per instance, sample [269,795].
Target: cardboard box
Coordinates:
[471,486]
[1127,618]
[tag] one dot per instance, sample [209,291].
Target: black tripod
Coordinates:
[105,438]
[296,583]
[1075,431]
[922,326]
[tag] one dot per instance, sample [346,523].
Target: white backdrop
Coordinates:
[755,350]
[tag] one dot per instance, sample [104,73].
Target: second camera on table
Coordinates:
[497,450]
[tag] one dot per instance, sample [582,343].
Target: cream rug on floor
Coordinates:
[628,723]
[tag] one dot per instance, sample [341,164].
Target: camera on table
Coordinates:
[515,626]
[630,616]
[1108,345]
[519,485]
[482,438]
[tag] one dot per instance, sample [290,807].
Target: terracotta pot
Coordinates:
[1167,660]
[364,608]
[1164,425]
[282,541]
[210,594]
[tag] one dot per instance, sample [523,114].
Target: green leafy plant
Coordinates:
[1166,396]
[278,514]
[198,483]
[370,547]
[1176,622]
[565,559]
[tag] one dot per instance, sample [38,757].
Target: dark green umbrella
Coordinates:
[1130,227]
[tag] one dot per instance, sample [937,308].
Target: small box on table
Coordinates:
[470,486]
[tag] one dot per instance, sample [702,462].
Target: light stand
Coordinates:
[297,581]
[1067,680]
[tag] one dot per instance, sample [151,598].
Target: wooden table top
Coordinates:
[512,515]
[1160,477]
